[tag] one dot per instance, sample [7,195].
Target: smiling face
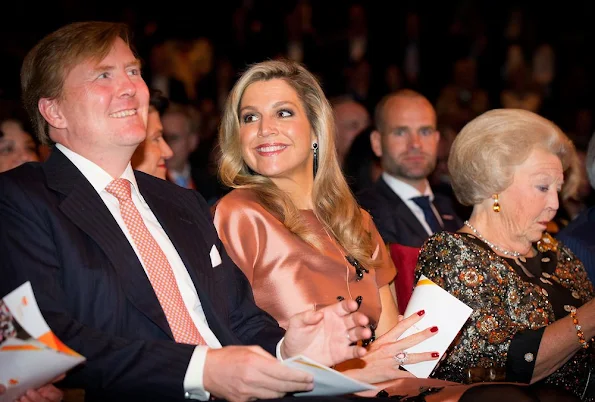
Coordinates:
[104,105]
[532,199]
[275,134]
[151,154]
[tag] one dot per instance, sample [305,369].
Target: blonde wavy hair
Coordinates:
[334,204]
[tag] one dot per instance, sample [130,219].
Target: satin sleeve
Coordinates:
[242,232]
[386,270]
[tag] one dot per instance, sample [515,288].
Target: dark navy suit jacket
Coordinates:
[56,232]
[395,221]
[579,236]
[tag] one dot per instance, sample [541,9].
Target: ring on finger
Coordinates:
[401,358]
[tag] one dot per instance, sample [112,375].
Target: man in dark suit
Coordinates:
[578,234]
[127,268]
[402,204]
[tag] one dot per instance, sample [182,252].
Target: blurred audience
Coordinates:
[151,154]
[578,235]
[351,118]
[16,145]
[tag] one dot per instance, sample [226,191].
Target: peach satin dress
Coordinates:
[289,276]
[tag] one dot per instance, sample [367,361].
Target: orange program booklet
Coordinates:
[30,354]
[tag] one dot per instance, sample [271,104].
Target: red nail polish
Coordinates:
[421,312]
[435,355]
[434,329]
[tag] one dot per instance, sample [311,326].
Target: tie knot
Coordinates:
[119,188]
[422,201]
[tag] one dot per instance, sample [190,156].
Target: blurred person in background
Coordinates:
[151,154]
[17,146]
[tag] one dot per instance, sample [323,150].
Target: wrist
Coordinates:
[284,354]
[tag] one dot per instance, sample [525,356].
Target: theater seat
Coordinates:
[405,259]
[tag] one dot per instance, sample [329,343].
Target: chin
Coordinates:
[536,236]
[160,173]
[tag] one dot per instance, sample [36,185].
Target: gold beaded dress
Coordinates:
[513,301]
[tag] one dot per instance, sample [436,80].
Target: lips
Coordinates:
[270,149]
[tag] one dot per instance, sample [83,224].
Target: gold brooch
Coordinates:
[547,243]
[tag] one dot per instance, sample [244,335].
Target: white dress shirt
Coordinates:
[99,179]
[407,192]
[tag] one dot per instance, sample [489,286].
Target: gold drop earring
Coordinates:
[496,206]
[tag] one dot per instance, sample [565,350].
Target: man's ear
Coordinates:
[376,142]
[50,110]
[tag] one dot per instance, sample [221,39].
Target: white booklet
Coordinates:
[443,310]
[30,354]
[327,381]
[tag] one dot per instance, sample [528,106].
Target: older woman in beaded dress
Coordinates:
[533,315]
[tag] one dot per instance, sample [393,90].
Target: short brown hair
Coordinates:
[46,65]
[486,152]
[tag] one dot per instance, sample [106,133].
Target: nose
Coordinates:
[166,151]
[414,140]
[554,201]
[267,127]
[127,87]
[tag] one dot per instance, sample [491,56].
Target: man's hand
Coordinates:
[246,373]
[326,335]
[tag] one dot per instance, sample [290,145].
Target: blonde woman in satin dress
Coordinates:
[292,225]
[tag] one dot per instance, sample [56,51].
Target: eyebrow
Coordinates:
[275,105]
[105,67]
[409,127]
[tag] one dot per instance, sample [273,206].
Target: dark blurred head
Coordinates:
[16,145]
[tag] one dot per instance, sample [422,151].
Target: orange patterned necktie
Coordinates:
[158,269]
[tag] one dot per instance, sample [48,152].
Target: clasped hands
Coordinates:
[242,373]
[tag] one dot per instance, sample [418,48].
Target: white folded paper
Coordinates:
[30,353]
[327,381]
[443,310]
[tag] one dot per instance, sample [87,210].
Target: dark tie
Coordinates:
[426,206]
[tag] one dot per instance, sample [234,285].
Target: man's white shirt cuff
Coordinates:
[193,381]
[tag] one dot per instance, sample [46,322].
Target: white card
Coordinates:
[443,310]
[326,380]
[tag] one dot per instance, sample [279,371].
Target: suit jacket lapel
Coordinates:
[401,210]
[181,228]
[85,208]
[185,234]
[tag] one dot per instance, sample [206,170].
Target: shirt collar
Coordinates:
[98,177]
[404,190]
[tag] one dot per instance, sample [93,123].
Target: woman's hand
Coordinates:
[46,393]
[380,365]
